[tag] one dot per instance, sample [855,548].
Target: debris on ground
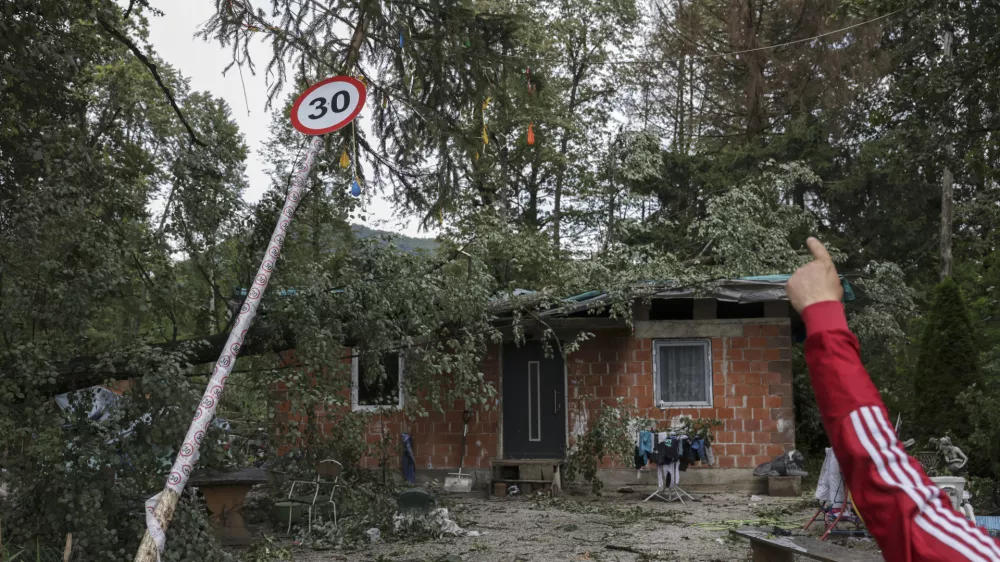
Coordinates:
[436,519]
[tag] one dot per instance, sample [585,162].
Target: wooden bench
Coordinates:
[225,492]
[767,547]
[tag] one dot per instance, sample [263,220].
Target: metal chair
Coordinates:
[327,474]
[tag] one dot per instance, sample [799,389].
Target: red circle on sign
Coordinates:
[304,129]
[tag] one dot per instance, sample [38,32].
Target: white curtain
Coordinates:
[682,374]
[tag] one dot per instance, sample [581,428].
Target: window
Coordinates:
[373,392]
[682,372]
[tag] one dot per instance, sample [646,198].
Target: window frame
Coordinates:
[355,387]
[658,345]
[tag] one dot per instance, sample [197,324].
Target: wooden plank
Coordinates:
[805,547]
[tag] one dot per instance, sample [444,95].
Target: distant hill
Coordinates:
[404,243]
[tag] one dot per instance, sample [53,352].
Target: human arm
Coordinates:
[910,518]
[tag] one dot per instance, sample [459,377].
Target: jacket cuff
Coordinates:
[824,317]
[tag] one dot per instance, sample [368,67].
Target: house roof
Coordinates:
[742,290]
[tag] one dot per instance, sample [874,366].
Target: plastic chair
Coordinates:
[327,474]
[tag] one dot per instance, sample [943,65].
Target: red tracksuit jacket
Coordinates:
[911,519]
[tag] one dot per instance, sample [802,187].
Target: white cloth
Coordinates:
[830,488]
[669,471]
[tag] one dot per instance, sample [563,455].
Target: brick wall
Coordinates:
[751,394]
[751,375]
[437,437]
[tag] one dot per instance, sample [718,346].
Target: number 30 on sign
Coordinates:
[328,105]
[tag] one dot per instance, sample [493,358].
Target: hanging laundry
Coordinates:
[345,160]
[531,134]
[646,443]
[356,188]
[409,462]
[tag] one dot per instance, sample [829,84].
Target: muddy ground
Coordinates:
[614,527]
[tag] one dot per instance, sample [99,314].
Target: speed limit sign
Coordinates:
[328,105]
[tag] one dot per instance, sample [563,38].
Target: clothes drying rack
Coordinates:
[672,494]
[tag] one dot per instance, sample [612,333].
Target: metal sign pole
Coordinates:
[160,508]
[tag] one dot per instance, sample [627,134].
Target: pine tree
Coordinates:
[947,366]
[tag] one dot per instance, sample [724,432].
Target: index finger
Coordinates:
[818,250]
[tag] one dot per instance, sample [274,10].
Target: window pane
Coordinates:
[683,373]
[376,390]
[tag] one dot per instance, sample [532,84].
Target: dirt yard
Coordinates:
[615,527]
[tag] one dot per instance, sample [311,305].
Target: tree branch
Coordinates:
[123,39]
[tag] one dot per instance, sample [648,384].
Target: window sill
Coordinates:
[366,408]
[672,405]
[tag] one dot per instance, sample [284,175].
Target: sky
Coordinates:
[172,37]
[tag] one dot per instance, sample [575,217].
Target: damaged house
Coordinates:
[723,353]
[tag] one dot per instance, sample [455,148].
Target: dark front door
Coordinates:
[534,403]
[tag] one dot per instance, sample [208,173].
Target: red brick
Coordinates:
[598,368]
[779,389]
[754,402]
[718,390]
[770,354]
[732,449]
[772,401]
[738,343]
[752,354]
[733,425]
[727,462]
[740,367]
[726,413]
[779,366]
[620,391]
[642,355]
[744,462]
[758,342]
[725,437]
[758,367]
[779,341]
[743,437]
[753,425]
[784,330]
[769,330]
[602,391]
[761,437]
[774,450]
[735,354]
[742,413]
[751,330]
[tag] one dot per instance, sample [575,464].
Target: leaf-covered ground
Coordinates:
[615,527]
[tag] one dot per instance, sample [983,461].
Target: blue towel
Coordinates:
[646,442]
[409,463]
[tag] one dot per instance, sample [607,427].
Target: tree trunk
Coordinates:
[947,195]
[563,149]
